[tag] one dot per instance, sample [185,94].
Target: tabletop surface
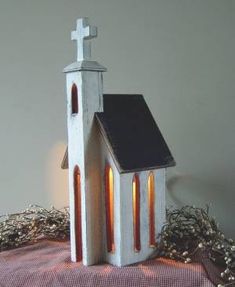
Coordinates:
[47,263]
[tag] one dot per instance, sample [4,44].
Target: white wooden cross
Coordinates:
[83,33]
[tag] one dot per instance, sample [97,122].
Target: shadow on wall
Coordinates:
[185,189]
[57,178]
[188,189]
[171,185]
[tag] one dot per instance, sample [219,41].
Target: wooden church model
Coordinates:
[117,159]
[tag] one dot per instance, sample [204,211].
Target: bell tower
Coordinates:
[84,88]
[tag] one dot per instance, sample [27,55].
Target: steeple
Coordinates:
[84,88]
[82,35]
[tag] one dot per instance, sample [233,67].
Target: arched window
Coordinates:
[151,209]
[136,212]
[109,206]
[77,212]
[74,99]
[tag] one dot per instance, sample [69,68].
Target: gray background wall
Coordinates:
[178,53]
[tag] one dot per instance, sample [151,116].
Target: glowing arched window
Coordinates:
[151,207]
[109,204]
[74,99]
[77,212]
[136,212]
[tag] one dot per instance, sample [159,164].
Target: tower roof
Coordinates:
[82,35]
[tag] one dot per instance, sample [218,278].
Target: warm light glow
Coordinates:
[111,205]
[56,179]
[109,202]
[151,207]
[134,200]
[136,212]
[77,212]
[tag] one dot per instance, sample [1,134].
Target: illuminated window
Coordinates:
[109,204]
[77,212]
[151,204]
[74,99]
[136,212]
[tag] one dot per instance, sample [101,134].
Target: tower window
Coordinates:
[74,99]
[109,205]
[136,212]
[151,209]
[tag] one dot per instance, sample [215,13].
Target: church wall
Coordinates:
[129,255]
[75,151]
[84,151]
[160,200]
[106,158]
[123,202]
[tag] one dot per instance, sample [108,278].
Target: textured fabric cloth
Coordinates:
[47,264]
[213,271]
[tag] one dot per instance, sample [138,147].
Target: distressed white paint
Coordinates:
[123,211]
[129,255]
[160,200]
[89,149]
[82,34]
[84,151]
[106,158]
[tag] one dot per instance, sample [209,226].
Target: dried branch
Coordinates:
[33,223]
[189,229]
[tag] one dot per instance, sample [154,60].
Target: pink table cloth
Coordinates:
[47,264]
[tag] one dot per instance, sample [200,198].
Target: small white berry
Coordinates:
[188,260]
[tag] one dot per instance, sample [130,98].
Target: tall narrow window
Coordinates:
[151,207]
[109,204]
[74,99]
[77,213]
[136,212]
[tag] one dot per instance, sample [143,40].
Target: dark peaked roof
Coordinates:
[132,134]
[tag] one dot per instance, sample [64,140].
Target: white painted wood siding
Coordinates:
[84,150]
[112,258]
[128,254]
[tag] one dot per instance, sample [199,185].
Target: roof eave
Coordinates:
[84,66]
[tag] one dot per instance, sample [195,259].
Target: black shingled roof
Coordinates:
[132,134]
